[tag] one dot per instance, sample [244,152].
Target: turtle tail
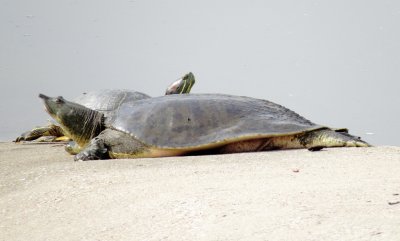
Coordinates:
[318,139]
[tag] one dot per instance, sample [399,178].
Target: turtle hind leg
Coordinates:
[330,138]
[312,140]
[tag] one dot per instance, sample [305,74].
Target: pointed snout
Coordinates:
[44,97]
[49,104]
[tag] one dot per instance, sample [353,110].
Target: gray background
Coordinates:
[334,62]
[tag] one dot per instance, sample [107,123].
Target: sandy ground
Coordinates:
[334,194]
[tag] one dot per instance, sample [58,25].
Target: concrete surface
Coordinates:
[334,194]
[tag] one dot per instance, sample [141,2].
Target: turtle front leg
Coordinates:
[96,150]
[50,130]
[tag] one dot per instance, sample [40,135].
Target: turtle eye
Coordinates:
[59,100]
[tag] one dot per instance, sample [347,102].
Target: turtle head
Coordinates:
[77,121]
[182,85]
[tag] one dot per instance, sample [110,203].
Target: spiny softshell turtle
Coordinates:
[105,101]
[197,123]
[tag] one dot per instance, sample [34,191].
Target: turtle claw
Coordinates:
[90,155]
[23,137]
[84,156]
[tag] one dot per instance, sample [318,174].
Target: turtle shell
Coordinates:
[199,120]
[107,101]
